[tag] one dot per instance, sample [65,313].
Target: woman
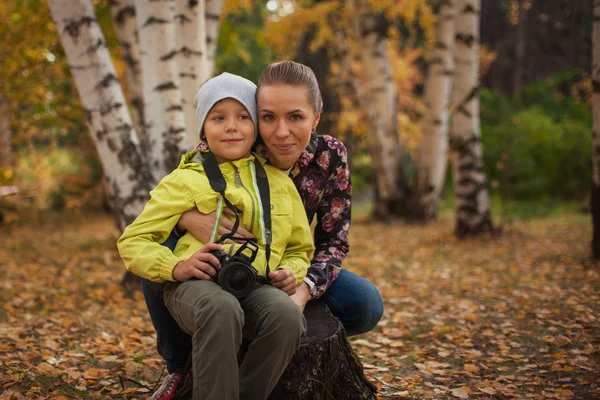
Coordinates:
[289,108]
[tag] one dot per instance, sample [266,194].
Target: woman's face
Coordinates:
[285,121]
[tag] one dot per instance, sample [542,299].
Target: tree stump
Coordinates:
[325,367]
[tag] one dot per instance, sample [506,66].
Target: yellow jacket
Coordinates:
[187,188]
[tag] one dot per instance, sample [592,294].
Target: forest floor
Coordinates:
[515,315]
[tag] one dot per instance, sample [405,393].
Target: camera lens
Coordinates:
[237,279]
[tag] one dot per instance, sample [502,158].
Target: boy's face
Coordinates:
[229,130]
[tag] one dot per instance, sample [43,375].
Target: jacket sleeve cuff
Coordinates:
[166,266]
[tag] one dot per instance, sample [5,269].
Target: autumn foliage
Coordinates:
[508,317]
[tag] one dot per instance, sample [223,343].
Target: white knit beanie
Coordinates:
[222,87]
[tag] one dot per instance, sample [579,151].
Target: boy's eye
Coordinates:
[218,118]
[244,116]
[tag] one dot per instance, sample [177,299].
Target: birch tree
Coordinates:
[191,58]
[130,170]
[123,17]
[375,90]
[472,199]
[163,104]
[434,142]
[212,13]
[595,198]
[126,173]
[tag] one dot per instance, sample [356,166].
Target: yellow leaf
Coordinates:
[461,393]
[94,373]
[471,368]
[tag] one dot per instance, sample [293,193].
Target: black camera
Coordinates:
[237,275]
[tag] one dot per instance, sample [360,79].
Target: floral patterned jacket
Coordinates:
[322,177]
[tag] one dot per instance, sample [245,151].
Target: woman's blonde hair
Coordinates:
[295,74]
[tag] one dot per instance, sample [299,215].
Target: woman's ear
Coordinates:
[317,119]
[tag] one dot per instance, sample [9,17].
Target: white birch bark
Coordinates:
[123,16]
[595,197]
[213,23]
[472,199]
[434,143]
[381,99]
[163,110]
[104,103]
[191,58]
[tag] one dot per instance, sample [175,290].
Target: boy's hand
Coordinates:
[284,279]
[199,264]
[201,225]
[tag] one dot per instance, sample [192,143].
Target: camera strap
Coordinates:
[219,184]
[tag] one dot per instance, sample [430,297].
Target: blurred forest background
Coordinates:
[536,90]
[459,120]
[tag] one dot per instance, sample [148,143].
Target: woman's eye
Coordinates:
[268,118]
[296,117]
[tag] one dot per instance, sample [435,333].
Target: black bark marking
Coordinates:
[109,107]
[165,86]
[73,27]
[484,225]
[88,115]
[108,80]
[98,45]
[101,134]
[174,108]
[466,38]
[154,20]
[190,75]
[181,19]
[124,14]
[469,9]
[111,145]
[185,51]
[210,16]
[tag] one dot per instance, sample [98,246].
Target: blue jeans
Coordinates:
[355,301]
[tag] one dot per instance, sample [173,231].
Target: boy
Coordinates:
[226,116]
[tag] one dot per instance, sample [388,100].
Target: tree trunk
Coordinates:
[213,23]
[595,198]
[433,157]
[5,138]
[163,109]
[123,16]
[520,49]
[108,119]
[191,59]
[325,367]
[472,199]
[378,98]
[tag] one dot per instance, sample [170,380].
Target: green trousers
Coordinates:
[217,321]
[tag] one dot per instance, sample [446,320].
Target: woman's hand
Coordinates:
[201,265]
[201,225]
[284,279]
[302,295]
